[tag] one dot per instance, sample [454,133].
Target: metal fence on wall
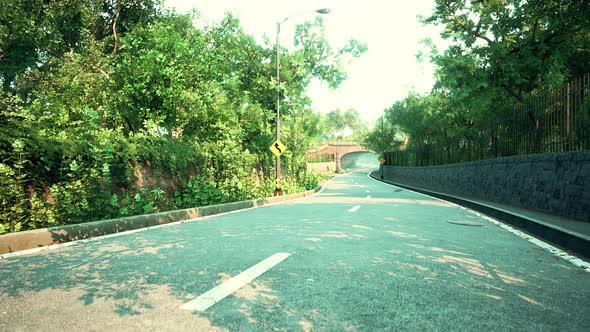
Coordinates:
[557,121]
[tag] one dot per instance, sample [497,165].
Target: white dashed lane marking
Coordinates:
[209,298]
[353,209]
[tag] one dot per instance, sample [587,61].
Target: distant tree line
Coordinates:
[343,126]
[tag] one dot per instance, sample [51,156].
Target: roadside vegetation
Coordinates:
[111,108]
[502,55]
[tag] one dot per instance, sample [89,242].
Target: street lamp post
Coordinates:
[278,120]
[382,142]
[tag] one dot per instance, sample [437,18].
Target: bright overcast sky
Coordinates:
[383,75]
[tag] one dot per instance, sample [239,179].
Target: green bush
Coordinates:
[290,185]
[94,179]
[12,207]
[17,211]
[199,191]
[312,180]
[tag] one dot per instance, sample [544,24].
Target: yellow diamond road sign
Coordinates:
[277,148]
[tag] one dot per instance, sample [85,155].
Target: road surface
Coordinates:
[359,256]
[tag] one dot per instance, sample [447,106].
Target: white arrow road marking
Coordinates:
[354,208]
[209,298]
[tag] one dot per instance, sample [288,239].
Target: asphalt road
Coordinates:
[365,256]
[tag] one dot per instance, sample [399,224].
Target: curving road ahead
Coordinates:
[361,255]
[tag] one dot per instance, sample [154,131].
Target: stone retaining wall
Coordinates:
[556,183]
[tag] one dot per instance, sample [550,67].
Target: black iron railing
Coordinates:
[557,121]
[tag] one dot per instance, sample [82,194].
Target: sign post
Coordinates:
[277,148]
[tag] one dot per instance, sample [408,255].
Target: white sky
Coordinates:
[381,76]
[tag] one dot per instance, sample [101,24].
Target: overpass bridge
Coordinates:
[331,155]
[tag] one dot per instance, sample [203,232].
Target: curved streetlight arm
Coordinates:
[319,11]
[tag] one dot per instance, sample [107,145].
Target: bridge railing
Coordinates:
[321,158]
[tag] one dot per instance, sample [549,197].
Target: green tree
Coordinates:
[42,34]
[520,45]
[347,125]
[384,137]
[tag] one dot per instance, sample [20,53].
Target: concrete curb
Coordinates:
[14,242]
[566,239]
